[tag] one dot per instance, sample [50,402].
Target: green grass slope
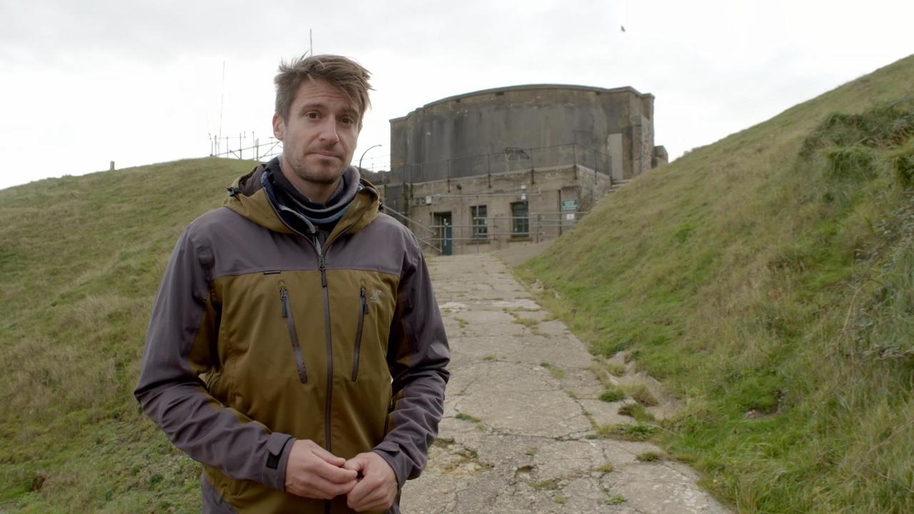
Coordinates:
[80,261]
[768,281]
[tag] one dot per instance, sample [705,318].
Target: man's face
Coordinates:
[319,135]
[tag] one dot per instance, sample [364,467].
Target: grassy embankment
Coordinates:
[80,261]
[768,281]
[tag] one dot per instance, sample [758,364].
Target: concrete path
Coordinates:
[521,411]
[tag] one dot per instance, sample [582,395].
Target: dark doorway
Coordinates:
[444,232]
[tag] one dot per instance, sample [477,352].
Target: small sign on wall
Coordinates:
[569,216]
[570,205]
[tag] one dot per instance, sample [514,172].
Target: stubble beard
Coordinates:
[303,172]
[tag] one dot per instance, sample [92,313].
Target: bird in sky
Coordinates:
[622,27]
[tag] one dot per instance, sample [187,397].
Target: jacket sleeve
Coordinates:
[418,356]
[180,346]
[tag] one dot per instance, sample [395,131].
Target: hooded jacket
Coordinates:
[261,334]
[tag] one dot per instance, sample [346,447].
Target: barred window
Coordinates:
[520,219]
[480,228]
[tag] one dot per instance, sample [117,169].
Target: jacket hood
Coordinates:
[247,197]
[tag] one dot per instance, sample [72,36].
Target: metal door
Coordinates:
[445,232]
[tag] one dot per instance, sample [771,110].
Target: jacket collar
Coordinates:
[247,197]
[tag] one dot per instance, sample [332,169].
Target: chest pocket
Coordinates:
[363,312]
[365,324]
[293,333]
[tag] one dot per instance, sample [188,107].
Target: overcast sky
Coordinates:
[140,81]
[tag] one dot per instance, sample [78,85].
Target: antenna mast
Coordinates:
[222,100]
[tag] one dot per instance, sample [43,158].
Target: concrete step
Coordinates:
[618,184]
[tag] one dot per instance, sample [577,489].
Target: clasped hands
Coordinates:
[367,480]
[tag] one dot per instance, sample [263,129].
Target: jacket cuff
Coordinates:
[274,469]
[390,452]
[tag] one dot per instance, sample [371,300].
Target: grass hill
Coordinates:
[80,261]
[765,279]
[768,281]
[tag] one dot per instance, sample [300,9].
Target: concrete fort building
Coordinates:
[482,170]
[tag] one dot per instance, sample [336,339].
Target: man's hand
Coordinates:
[313,472]
[377,489]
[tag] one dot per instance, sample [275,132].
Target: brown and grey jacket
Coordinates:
[261,335]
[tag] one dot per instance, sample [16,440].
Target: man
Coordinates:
[295,347]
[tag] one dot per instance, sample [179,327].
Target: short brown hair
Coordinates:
[345,74]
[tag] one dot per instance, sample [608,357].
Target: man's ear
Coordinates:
[278,127]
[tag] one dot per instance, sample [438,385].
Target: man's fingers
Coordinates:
[378,489]
[358,493]
[356,463]
[328,457]
[328,465]
[374,499]
[334,473]
[313,472]
[330,481]
[328,490]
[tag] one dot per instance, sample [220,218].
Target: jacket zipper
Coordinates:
[363,311]
[329,340]
[293,334]
[323,270]
[326,293]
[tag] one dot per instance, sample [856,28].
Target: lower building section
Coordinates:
[488,212]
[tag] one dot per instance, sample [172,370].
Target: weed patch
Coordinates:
[637,411]
[466,417]
[556,372]
[615,499]
[626,432]
[641,394]
[649,457]
[606,467]
[615,369]
[612,394]
[545,485]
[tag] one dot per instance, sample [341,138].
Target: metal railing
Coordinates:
[430,236]
[539,226]
[258,151]
[263,150]
[425,235]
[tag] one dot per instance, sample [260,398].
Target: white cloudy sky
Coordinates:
[85,82]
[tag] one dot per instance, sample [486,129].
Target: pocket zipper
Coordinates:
[363,310]
[293,335]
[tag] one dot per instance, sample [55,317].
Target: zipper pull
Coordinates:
[320,260]
[284,296]
[364,296]
[323,272]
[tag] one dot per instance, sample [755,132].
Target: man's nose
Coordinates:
[329,131]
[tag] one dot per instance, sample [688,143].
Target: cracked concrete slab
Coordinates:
[522,409]
[520,405]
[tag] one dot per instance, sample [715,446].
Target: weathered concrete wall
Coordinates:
[461,136]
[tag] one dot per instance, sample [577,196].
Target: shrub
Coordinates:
[851,163]
[902,161]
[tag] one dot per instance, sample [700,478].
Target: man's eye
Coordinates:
[347,120]
[312,115]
